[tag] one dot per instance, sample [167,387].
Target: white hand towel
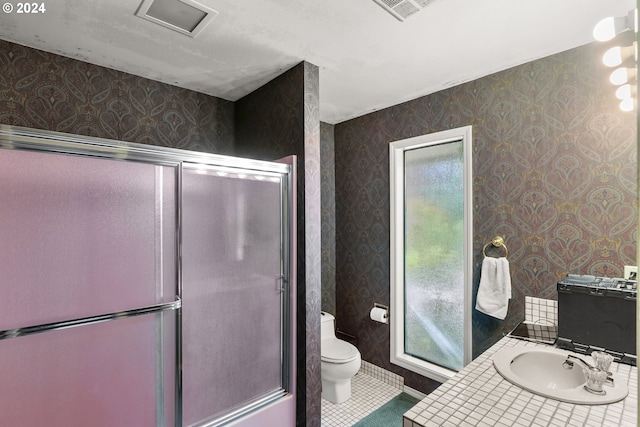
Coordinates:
[494,290]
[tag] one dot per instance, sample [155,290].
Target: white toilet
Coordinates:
[340,362]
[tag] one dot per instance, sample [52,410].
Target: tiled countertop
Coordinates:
[479,396]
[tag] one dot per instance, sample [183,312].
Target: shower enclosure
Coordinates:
[143,286]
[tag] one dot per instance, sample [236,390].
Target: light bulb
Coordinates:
[604,30]
[627,104]
[613,57]
[619,76]
[624,91]
[607,28]
[617,55]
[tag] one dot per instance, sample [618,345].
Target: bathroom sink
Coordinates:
[541,371]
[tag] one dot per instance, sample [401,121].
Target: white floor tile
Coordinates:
[367,395]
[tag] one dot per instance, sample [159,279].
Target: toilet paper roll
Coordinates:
[378,314]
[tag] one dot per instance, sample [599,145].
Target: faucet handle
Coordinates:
[602,360]
[595,380]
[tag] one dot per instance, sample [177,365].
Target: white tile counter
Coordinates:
[479,396]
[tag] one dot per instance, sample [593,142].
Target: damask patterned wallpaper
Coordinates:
[555,174]
[328,218]
[276,120]
[555,171]
[47,91]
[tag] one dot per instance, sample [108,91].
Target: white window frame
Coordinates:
[397,215]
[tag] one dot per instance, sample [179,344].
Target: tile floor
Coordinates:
[367,394]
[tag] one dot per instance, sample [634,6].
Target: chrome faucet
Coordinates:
[568,364]
[571,359]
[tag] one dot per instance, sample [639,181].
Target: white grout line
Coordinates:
[367,394]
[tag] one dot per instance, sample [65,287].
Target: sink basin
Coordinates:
[540,371]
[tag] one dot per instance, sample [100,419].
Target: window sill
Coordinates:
[426,369]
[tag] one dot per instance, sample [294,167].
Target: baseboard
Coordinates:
[382,374]
[390,378]
[414,393]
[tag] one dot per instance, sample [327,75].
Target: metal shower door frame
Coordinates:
[19,138]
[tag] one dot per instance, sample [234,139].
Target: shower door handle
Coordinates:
[280,283]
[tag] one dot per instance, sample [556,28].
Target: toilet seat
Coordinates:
[334,350]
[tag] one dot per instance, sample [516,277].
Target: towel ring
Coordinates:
[497,242]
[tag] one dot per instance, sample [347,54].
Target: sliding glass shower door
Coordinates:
[143,286]
[85,241]
[233,271]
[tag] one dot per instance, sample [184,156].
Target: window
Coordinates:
[431,253]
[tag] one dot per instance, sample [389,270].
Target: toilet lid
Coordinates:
[337,351]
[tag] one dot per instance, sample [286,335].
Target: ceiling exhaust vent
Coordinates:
[184,16]
[402,9]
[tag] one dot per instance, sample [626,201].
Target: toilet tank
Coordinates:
[327,325]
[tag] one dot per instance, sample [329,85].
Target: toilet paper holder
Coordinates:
[379,313]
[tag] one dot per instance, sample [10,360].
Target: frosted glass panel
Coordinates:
[434,256]
[83,236]
[102,375]
[232,340]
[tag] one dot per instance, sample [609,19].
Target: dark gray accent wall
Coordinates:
[46,91]
[279,119]
[42,90]
[327,167]
[313,246]
[555,173]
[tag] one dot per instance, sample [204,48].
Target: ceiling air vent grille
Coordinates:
[184,16]
[392,3]
[424,3]
[402,9]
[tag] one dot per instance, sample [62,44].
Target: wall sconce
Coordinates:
[608,28]
[624,77]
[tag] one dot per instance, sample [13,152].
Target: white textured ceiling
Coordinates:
[368,60]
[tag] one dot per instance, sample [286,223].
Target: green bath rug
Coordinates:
[389,414]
